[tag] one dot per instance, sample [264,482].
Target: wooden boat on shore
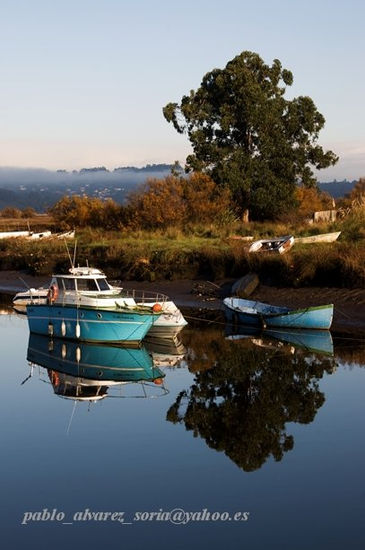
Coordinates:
[13,234]
[248,312]
[277,244]
[32,236]
[322,238]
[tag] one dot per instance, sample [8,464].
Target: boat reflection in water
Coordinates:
[85,372]
[165,352]
[316,341]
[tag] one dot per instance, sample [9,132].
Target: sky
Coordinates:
[83,82]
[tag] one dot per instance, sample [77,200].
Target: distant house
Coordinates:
[324,216]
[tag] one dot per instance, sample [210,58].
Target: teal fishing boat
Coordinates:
[88,287]
[80,305]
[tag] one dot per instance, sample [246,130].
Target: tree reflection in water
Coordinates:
[242,403]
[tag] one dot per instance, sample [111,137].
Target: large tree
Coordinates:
[246,135]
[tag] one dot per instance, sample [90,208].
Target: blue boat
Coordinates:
[81,305]
[258,314]
[97,311]
[84,323]
[85,371]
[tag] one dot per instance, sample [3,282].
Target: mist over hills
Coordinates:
[40,188]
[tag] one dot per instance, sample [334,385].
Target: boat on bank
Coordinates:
[279,245]
[13,234]
[29,235]
[321,238]
[248,312]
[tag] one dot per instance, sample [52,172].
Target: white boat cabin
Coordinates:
[89,287]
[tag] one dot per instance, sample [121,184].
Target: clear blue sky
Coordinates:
[83,82]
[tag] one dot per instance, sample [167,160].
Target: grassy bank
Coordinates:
[205,252]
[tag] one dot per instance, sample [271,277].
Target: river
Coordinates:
[235,441]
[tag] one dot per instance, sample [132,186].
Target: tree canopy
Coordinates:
[247,136]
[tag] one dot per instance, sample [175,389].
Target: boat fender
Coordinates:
[63,351]
[77,330]
[50,329]
[52,294]
[156,308]
[63,328]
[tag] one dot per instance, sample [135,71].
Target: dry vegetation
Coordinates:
[182,228]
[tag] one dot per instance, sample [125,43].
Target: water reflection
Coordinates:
[318,341]
[86,372]
[165,352]
[243,396]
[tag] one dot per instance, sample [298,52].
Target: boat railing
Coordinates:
[144,296]
[140,297]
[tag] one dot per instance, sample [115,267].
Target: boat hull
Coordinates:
[321,238]
[279,245]
[263,315]
[88,324]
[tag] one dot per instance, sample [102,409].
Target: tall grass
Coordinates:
[203,251]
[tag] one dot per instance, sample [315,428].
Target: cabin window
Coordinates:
[69,284]
[103,285]
[65,284]
[87,284]
[60,283]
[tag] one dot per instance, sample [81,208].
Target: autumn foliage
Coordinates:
[160,203]
[176,201]
[312,200]
[76,211]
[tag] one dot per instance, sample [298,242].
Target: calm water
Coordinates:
[237,425]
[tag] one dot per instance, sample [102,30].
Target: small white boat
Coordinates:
[30,296]
[278,245]
[67,235]
[13,234]
[30,235]
[36,236]
[322,238]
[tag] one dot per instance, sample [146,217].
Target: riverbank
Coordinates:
[199,299]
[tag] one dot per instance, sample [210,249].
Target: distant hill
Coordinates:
[337,189]
[41,189]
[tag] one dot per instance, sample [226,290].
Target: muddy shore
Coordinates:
[204,300]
